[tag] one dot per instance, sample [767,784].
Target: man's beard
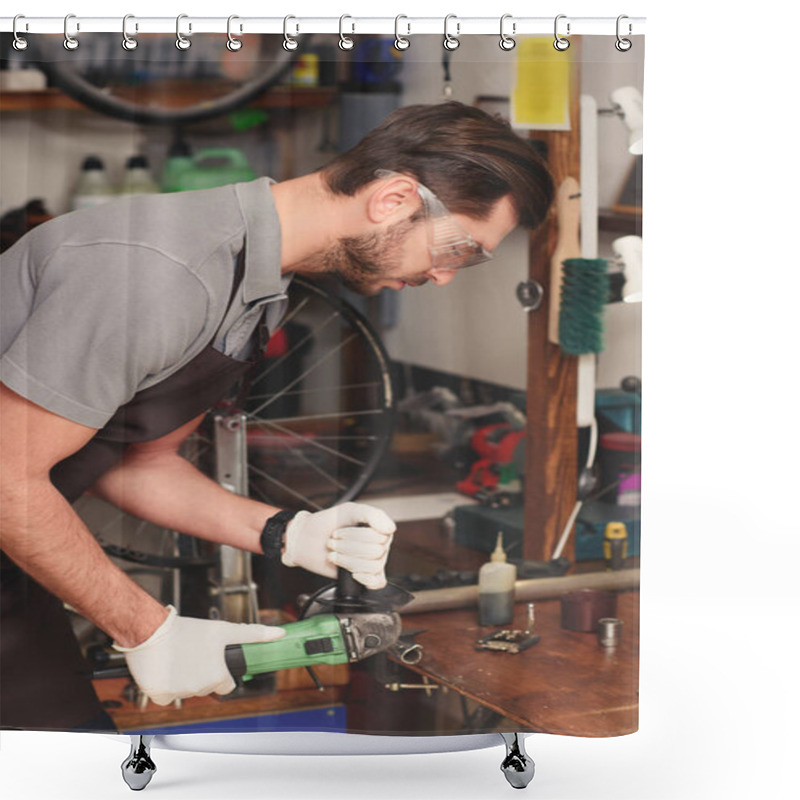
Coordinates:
[359,262]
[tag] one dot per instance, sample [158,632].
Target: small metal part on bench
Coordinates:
[138,768]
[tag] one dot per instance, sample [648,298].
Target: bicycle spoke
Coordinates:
[297,380]
[299,344]
[310,417]
[313,442]
[299,392]
[283,486]
[318,469]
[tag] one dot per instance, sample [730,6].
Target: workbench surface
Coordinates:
[566,684]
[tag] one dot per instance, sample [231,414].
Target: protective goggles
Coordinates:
[450,246]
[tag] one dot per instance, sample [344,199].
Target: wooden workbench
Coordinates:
[565,684]
[293,691]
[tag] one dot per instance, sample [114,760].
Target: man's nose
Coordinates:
[441,277]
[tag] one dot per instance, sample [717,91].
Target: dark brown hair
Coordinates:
[466,157]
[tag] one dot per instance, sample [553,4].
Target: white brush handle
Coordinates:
[568,214]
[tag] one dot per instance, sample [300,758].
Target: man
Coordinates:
[122,324]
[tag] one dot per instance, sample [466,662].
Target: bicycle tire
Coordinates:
[62,75]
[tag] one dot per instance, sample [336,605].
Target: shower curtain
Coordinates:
[450,408]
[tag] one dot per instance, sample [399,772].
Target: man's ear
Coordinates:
[392,199]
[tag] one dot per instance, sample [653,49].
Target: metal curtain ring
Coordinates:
[345,42]
[401,42]
[233,44]
[70,42]
[289,43]
[128,41]
[560,43]
[181,42]
[506,42]
[451,42]
[623,45]
[19,43]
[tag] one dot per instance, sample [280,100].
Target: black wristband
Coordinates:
[272,535]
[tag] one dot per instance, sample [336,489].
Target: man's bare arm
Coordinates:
[43,535]
[155,483]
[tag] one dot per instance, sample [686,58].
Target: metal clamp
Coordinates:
[181,42]
[451,42]
[401,42]
[506,42]
[70,42]
[623,45]
[289,43]
[233,44]
[560,43]
[129,42]
[345,42]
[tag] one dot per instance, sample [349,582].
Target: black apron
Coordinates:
[45,682]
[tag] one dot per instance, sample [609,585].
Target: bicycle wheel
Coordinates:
[320,408]
[320,412]
[150,84]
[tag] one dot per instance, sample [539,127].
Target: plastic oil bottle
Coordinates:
[93,185]
[137,178]
[496,579]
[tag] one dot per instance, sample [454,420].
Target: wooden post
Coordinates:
[551,461]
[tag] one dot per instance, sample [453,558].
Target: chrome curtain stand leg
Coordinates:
[138,768]
[517,766]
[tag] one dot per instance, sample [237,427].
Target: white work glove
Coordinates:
[185,657]
[322,541]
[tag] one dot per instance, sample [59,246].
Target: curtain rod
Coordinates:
[295,25]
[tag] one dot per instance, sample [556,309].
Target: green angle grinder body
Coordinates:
[341,623]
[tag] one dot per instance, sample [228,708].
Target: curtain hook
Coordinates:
[19,43]
[560,43]
[401,42]
[233,44]
[345,42]
[129,42]
[289,43]
[182,43]
[451,42]
[507,42]
[623,45]
[70,42]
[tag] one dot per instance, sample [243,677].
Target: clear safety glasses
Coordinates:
[450,246]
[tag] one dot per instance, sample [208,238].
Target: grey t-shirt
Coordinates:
[100,303]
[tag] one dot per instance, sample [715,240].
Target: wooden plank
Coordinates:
[169,94]
[551,468]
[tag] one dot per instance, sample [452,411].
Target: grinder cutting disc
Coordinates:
[348,596]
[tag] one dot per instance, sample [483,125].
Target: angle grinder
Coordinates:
[343,622]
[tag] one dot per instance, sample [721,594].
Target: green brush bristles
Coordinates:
[584,293]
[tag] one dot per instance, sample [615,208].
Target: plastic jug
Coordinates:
[206,169]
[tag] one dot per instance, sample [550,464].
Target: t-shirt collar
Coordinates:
[262,276]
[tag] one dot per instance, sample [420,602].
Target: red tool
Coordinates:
[495,446]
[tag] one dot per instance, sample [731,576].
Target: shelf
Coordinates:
[170,94]
[619,222]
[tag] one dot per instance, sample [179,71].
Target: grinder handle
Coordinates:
[347,587]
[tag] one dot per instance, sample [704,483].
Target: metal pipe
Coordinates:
[535,589]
